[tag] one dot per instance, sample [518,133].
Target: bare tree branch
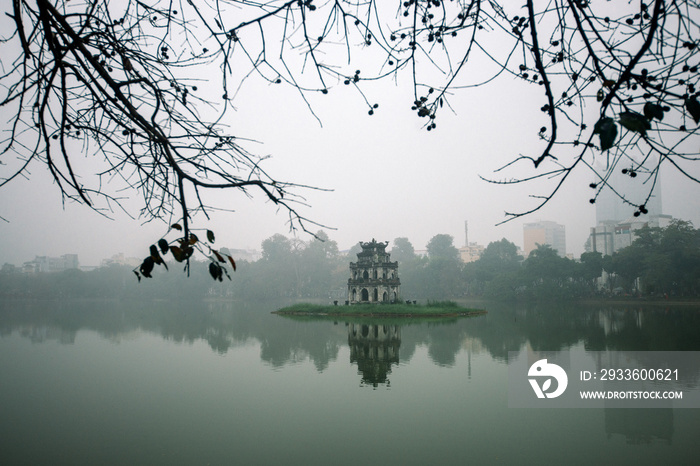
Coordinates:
[117,81]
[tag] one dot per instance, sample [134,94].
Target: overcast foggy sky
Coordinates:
[390,177]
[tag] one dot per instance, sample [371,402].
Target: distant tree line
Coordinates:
[660,262]
[288,268]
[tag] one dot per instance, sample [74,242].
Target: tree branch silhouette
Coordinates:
[117,82]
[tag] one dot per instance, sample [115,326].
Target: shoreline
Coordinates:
[439,309]
[282,312]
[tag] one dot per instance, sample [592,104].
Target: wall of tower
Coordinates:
[373,278]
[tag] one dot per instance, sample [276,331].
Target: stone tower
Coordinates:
[373,278]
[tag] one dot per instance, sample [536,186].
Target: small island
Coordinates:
[431,309]
[373,291]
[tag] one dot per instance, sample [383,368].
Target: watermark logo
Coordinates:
[547,371]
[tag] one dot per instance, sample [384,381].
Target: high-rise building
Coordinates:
[615,221]
[609,237]
[544,232]
[612,208]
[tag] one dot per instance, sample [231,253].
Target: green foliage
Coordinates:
[441,247]
[432,308]
[660,261]
[499,258]
[591,266]
[438,276]
[293,268]
[443,304]
[496,274]
[442,278]
[403,251]
[412,275]
[112,282]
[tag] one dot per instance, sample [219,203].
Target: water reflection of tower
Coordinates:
[374,348]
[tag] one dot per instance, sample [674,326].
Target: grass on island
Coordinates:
[431,309]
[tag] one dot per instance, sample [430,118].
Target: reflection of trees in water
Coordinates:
[40,334]
[287,341]
[224,325]
[374,348]
[636,328]
[653,331]
[444,342]
[284,342]
[180,321]
[640,426]
[557,327]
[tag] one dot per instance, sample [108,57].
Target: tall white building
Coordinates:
[544,232]
[611,208]
[615,221]
[609,237]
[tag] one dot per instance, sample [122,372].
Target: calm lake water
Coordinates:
[230,383]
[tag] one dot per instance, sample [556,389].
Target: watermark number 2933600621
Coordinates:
[610,379]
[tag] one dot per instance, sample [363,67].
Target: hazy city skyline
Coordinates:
[389,177]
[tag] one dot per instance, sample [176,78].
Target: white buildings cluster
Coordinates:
[609,237]
[616,224]
[471,251]
[42,264]
[544,232]
[615,229]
